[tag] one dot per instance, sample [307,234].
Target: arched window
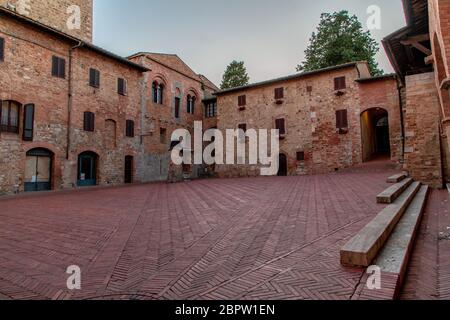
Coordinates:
[160,94]
[155,91]
[9,116]
[190,103]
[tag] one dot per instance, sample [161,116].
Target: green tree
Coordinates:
[235,76]
[340,38]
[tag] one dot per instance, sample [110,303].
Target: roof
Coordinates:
[69,38]
[175,63]
[291,77]
[405,59]
[378,78]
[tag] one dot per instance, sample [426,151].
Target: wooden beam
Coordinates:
[414,39]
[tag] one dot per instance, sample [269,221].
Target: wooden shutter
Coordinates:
[121,86]
[177,107]
[61,67]
[130,128]
[341,119]
[55,66]
[2,49]
[339,83]
[242,101]
[89,121]
[279,93]
[300,156]
[280,125]
[94,78]
[28,122]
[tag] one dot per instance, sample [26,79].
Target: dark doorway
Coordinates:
[129,169]
[375,134]
[283,166]
[38,170]
[87,169]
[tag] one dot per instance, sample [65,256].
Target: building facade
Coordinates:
[328,119]
[62,124]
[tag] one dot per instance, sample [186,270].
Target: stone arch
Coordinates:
[375,133]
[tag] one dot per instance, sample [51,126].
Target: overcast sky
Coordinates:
[269,35]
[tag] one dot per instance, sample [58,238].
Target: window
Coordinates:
[94,78]
[177,107]
[121,86]
[190,104]
[339,83]
[242,101]
[130,128]
[2,49]
[210,110]
[155,92]
[89,121]
[309,89]
[9,116]
[279,93]
[341,119]
[280,125]
[300,156]
[162,135]
[28,122]
[58,67]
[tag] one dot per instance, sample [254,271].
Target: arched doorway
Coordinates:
[38,170]
[87,169]
[129,169]
[283,165]
[375,134]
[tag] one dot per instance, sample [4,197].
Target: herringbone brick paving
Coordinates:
[251,238]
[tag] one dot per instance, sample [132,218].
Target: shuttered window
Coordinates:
[177,107]
[242,101]
[341,119]
[122,86]
[300,156]
[2,49]
[280,125]
[9,116]
[28,122]
[340,83]
[94,78]
[130,128]
[279,93]
[58,67]
[89,121]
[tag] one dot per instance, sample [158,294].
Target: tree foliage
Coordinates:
[235,76]
[340,38]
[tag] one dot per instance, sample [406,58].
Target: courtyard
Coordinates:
[248,238]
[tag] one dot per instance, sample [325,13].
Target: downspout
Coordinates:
[400,86]
[69,101]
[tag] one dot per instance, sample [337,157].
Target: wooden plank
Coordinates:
[390,194]
[364,247]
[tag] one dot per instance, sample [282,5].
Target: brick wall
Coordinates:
[422,149]
[25,77]
[55,14]
[311,120]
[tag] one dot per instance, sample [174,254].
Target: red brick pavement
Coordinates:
[252,238]
[428,277]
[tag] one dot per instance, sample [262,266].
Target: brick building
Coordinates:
[174,99]
[420,54]
[70,111]
[328,119]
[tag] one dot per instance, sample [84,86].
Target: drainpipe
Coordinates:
[69,101]
[400,86]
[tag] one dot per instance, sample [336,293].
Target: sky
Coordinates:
[270,36]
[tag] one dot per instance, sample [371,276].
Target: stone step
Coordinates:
[361,250]
[390,194]
[394,257]
[397,178]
